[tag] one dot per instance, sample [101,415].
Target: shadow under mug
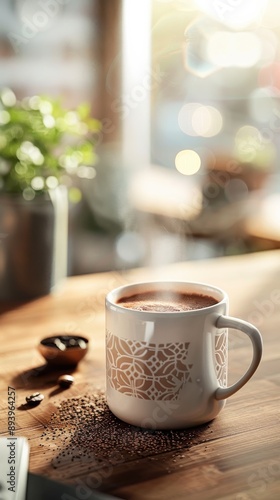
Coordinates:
[168,370]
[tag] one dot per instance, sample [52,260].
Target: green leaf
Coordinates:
[57,132]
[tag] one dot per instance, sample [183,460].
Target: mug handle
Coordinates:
[256,339]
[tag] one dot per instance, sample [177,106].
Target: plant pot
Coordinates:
[33,244]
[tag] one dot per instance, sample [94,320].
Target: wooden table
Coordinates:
[237,456]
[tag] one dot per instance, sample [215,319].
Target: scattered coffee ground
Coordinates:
[84,431]
[65,381]
[35,399]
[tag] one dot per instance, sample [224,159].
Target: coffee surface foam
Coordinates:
[166,301]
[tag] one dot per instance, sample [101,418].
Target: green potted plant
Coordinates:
[43,147]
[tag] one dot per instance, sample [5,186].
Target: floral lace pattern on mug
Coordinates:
[221,350]
[145,370]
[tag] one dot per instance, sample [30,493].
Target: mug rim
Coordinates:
[110,302]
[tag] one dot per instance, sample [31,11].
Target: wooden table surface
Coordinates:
[236,456]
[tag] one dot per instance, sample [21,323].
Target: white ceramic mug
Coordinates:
[168,370]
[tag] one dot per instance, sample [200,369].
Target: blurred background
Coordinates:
[188,95]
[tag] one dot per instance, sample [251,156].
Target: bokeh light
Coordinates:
[45,107]
[187,162]
[27,152]
[49,121]
[37,183]
[85,172]
[74,195]
[4,117]
[28,194]
[207,121]
[195,119]
[185,117]
[253,147]
[236,190]
[51,182]
[241,50]
[34,102]
[8,97]
[248,142]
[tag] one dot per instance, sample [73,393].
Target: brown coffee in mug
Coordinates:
[165,301]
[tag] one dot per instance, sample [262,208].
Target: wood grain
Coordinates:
[235,457]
